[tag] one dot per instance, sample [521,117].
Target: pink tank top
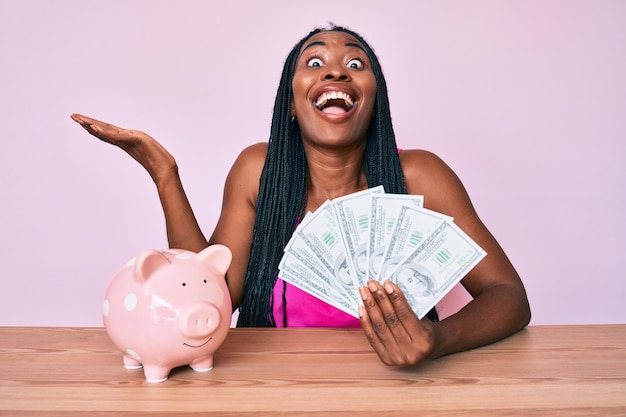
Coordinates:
[304,310]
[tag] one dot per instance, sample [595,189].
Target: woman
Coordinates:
[331,136]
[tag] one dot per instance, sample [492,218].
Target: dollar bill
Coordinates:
[298,251]
[370,234]
[413,226]
[434,267]
[384,212]
[353,213]
[323,287]
[322,234]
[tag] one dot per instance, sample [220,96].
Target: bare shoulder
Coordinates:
[253,156]
[242,188]
[244,175]
[427,174]
[419,162]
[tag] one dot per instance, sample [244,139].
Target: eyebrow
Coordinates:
[322,43]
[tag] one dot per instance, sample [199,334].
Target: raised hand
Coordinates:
[142,147]
[183,231]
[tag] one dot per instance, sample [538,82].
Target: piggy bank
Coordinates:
[169,308]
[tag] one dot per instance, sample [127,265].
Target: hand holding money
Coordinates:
[385,237]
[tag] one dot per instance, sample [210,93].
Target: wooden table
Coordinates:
[541,371]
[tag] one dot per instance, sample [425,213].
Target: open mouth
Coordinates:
[335,102]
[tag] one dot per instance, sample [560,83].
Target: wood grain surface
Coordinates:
[540,371]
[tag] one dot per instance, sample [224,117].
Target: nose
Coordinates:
[336,72]
[199,320]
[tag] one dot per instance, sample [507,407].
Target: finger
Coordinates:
[93,126]
[98,132]
[384,320]
[108,132]
[403,309]
[98,125]
[399,318]
[79,118]
[85,120]
[419,336]
[385,305]
[408,322]
[365,318]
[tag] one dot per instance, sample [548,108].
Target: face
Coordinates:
[414,280]
[334,89]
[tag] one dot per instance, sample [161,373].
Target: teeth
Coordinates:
[334,95]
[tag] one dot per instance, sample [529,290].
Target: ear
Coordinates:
[292,109]
[147,262]
[217,257]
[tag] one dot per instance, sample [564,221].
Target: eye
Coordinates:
[184,284]
[355,64]
[205,281]
[314,62]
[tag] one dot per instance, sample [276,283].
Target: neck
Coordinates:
[334,174]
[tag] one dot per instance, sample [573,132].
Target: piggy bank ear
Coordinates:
[218,257]
[147,262]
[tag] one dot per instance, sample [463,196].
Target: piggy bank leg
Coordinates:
[155,373]
[130,363]
[202,364]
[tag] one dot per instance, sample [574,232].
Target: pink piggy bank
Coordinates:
[169,308]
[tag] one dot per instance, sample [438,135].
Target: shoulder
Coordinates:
[418,160]
[244,175]
[422,167]
[427,174]
[250,160]
[253,154]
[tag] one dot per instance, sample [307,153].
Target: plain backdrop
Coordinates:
[525,100]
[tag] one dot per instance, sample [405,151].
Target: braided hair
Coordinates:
[283,185]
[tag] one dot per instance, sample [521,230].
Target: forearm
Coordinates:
[493,315]
[183,231]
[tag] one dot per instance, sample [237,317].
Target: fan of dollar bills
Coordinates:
[374,235]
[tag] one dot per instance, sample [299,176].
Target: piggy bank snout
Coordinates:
[199,320]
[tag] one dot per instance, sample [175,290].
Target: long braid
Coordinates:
[281,201]
[282,187]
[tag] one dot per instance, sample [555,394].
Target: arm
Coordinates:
[499,306]
[182,227]
[236,221]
